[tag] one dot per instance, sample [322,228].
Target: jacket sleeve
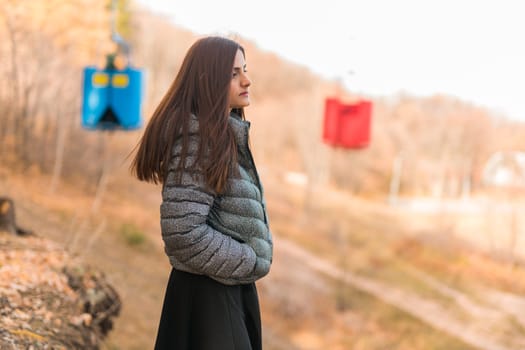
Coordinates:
[190,242]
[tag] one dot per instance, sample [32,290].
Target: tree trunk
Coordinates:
[15,79]
[7,217]
[59,149]
[105,155]
[49,135]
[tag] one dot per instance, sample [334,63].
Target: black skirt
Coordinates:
[200,313]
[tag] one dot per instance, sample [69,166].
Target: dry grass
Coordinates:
[300,307]
[372,240]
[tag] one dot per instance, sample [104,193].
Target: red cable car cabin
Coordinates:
[347,125]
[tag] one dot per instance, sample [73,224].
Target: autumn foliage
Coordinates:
[45,44]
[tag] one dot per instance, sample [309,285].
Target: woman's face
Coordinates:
[239,96]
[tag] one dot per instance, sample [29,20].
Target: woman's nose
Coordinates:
[246,81]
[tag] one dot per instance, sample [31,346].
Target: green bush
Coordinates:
[132,234]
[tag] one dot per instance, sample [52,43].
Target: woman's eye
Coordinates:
[234,74]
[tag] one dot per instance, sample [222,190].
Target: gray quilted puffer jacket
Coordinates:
[226,236]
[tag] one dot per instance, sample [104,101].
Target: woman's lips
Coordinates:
[244,94]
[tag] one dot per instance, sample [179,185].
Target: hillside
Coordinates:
[304,306]
[350,271]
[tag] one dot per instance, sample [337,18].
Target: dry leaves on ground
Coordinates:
[48,300]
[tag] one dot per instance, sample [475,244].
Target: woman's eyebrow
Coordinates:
[239,68]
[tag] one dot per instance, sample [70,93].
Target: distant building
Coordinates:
[505,169]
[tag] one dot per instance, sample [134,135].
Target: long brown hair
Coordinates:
[201,88]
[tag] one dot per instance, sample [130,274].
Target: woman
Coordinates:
[213,216]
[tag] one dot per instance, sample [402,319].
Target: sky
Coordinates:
[474,50]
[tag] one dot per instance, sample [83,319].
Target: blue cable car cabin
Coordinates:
[112,98]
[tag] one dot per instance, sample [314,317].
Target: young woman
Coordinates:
[213,215]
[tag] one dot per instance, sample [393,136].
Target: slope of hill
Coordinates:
[73,187]
[304,307]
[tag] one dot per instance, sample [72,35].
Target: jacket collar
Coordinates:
[240,129]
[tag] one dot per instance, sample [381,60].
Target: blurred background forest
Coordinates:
[369,271]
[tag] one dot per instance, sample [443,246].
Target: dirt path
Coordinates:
[423,309]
